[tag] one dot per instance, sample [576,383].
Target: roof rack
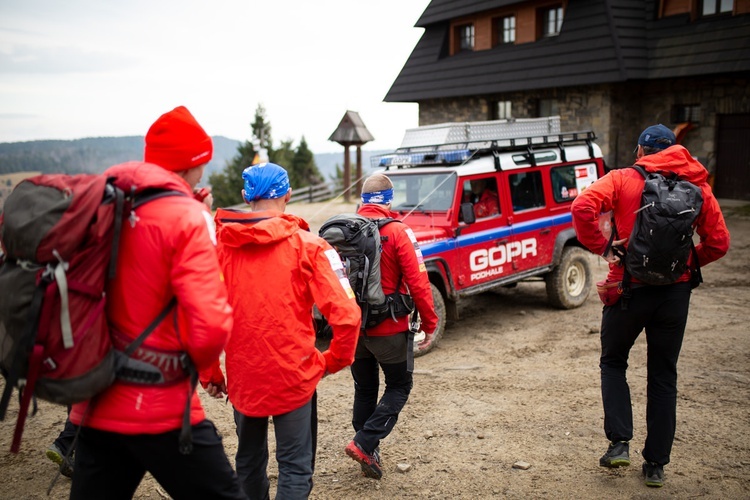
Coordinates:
[454,143]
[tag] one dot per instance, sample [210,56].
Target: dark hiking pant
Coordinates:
[295,452]
[373,420]
[110,465]
[66,438]
[662,311]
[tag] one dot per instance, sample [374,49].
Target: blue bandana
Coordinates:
[383,197]
[266,181]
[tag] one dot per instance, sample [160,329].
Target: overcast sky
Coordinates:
[89,68]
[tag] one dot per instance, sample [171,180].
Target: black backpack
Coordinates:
[357,240]
[662,239]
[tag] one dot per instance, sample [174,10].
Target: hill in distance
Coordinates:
[94,155]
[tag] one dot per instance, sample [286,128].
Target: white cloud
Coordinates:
[89,68]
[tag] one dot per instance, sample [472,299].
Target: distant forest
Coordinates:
[91,155]
[94,155]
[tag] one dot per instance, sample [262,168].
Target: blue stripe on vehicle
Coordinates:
[429,249]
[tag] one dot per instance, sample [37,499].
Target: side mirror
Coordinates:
[467,213]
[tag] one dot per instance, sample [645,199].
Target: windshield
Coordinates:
[423,191]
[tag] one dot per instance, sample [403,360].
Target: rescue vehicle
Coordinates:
[519,228]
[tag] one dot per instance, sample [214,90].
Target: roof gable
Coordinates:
[601,41]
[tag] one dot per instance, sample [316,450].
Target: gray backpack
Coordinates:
[358,242]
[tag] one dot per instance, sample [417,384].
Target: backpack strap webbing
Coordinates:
[130,349]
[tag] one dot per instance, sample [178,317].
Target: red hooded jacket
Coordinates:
[620,190]
[401,262]
[275,270]
[167,252]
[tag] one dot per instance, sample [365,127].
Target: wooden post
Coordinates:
[347,174]
[359,170]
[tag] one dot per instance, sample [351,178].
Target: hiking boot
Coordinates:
[376,456]
[369,462]
[654,474]
[617,455]
[65,463]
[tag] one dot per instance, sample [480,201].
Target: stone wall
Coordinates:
[617,113]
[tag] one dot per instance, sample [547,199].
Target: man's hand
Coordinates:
[615,253]
[216,390]
[426,341]
[204,195]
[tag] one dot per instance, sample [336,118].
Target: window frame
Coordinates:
[465,37]
[551,15]
[717,9]
[505,35]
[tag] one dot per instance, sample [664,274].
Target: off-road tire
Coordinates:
[569,284]
[437,299]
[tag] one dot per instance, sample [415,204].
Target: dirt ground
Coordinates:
[513,381]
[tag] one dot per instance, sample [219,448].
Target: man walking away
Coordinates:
[166,252]
[389,345]
[661,310]
[275,271]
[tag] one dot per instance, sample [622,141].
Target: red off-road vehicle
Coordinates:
[489,203]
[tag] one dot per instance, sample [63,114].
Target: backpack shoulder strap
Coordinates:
[149,195]
[640,170]
[137,200]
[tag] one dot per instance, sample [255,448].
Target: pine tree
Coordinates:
[226,186]
[303,165]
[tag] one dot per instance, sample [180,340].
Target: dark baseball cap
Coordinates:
[657,136]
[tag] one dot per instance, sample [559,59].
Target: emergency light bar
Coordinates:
[453,157]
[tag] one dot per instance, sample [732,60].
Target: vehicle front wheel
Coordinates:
[439,302]
[569,284]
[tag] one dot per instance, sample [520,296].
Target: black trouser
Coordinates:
[110,465]
[295,452]
[66,438]
[373,420]
[662,311]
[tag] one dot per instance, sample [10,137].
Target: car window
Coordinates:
[526,190]
[482,194]
[564,186]
[423,191]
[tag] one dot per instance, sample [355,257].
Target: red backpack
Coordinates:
[59,236]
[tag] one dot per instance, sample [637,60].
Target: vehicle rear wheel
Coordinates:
[439,302]
[569,284]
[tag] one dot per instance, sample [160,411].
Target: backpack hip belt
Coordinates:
[148,365]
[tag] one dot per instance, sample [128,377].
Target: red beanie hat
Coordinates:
[177,142]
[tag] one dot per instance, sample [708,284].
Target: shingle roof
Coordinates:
[601,41]
[351,130]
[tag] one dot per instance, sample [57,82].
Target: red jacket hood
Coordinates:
[676,159]
[144,175]
[237,228]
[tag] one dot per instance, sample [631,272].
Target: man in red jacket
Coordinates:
[166,251]
[389,344]
[275,271]
[661,310]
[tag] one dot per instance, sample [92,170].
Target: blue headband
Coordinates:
[266,181]
[383,197]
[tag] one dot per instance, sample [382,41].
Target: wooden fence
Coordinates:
[319,192]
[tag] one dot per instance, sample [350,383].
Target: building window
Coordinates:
[547,107]
[713,7]
[501,110]
[552,19]
[465,37]
[682,113]
[506,30]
